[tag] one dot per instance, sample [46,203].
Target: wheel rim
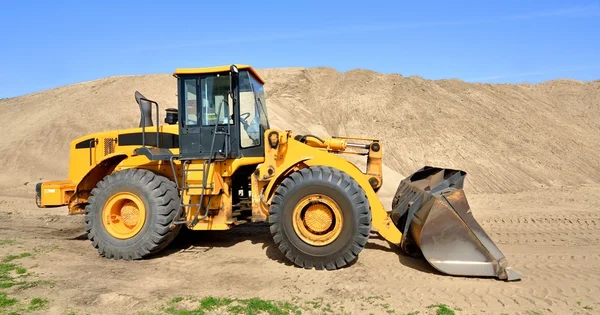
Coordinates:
[124,215]
[317,220]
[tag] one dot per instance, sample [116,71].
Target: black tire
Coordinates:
[161,200]
[352,201]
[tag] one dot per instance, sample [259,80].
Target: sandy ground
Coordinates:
[533,184]
[552,236]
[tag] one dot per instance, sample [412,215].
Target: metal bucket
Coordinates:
[431,210]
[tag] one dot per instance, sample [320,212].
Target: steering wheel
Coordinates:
[245,115]
[244,119]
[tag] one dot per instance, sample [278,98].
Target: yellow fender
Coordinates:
[96,173]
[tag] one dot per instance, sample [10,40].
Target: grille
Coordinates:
[109,146]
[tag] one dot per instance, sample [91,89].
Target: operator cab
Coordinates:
[223,110]
[221,114]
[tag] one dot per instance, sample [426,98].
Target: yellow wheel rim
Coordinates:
[317,220]
[124,215]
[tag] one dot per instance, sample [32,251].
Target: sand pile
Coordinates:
[508,138]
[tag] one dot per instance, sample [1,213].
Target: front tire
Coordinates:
[129,212]
[320,218]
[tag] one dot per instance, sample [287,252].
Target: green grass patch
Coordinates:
[13,306]
[37,304]
[442,309]
[7,280]
[14,275]
[254,306]
[5,301]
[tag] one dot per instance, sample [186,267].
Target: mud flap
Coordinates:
[431,210]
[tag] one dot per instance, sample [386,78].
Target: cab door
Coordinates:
[189,121]
[216,112]
[207,113]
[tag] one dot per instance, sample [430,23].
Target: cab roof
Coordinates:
[216,69]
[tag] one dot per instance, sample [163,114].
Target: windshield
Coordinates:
[253,110]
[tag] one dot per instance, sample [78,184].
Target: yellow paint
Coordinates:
[375,166]
[124,215]
[317,220]
[291,153]
[55,193]
[330,144]
[228,168]
[260,210]
[79,159]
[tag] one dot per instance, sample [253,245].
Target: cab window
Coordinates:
[191,117]
[252,110]
[215,102]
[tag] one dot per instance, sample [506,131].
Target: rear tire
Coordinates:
[317,242]
[157,199]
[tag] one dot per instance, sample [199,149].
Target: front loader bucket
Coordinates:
[431,210]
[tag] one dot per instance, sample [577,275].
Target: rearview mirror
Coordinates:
[233,81]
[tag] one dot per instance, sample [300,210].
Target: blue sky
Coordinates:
[47,44]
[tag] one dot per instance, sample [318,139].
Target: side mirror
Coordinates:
[145,110]
[234,75]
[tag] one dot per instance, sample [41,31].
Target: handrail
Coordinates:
[157,123]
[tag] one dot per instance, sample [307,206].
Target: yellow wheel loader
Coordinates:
[216,163]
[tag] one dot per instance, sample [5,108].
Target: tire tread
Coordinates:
[355,194]
[164,198]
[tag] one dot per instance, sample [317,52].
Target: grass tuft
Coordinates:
[5,301]
[13,275]
[442,309]
[252,306]
[6,278]
[37,304]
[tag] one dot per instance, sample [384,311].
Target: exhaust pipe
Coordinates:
[431,210]
[145,110]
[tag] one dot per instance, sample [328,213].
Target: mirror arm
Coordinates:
[233,82]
